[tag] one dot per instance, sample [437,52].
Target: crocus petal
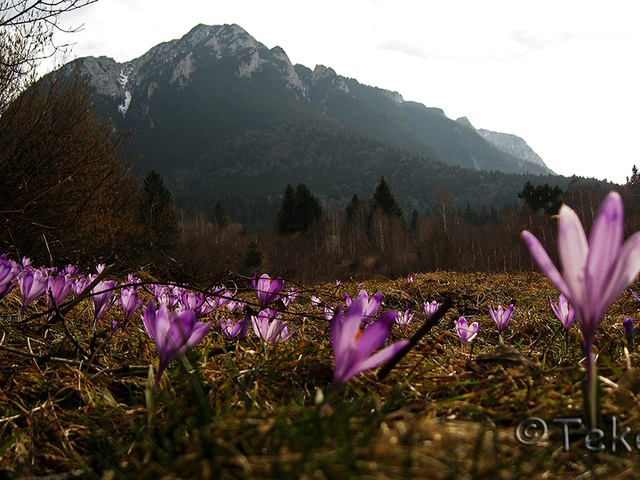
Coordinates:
[626,269]
[350,325]
[605,241]
[374,335]
[198,332]
[373,305]
[545,264]
[606,236]
[573,250]
[376,359]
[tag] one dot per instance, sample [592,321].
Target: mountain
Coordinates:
[223,117]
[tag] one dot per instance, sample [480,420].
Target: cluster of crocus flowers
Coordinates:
[466,332]
[353,349]
[501,318]
[595,272]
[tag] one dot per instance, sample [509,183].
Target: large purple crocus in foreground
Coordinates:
[174,333]
[352,348]
[595,272]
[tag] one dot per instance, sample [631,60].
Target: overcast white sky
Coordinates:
[561,74]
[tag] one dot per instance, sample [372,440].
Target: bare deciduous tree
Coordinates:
[26,38]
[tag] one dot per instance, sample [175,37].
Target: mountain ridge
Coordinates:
[217,95]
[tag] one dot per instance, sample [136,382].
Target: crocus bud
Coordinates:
[627,327]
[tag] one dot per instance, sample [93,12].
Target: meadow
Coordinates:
[77,402]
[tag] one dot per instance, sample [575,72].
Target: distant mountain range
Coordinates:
[223,117]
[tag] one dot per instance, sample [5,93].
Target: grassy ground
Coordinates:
[246,410]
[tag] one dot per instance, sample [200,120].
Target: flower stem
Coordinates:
[591,395]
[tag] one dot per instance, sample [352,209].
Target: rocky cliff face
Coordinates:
[508,143]
[512,144]
[177,60]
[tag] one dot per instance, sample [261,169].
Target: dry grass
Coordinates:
[250,411]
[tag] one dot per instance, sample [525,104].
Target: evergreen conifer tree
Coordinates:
[415,218]
[299,210]
[158,216]
[308,209]
[543,197]
[384,199]
[220,217]
[285,218]
[352,208]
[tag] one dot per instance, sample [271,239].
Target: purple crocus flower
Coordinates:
[70,270]
[236,330]
[410,279]
[6,289]
[404,319]
[431,308]
[595,273]
[79,285]
[328,314]
[174,333]
[101,299]
[269,327]
[290,297]
[465,331]
[129,301]
[60,288]
[235,305]
[565,312]
[192,300]
[220,297]
[627,328]
[352,348]
[371,306]
[266,290]
[9,271]
[33,285]
[501,317]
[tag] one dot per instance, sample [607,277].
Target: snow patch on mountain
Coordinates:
[127,101]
